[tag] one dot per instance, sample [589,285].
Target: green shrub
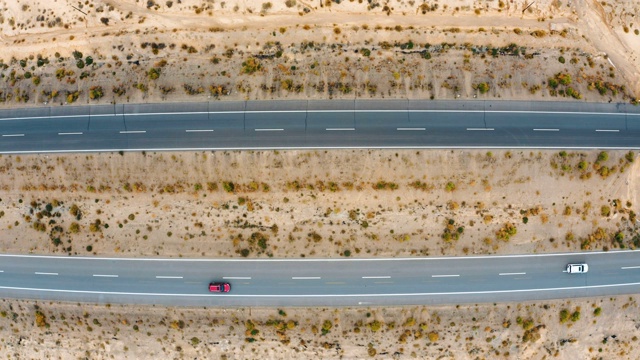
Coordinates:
[228,186]
[564,316]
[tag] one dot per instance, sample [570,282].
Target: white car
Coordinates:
[577,268]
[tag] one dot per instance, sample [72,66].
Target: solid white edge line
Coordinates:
[45,273]
[133,132]
[236,277]
[480,129]
[284,148]
[268,129]
[70,133]
[546,129]
[306,278]
[411,129]
[169,277]
[613,253]
[208,130]
[630,267]
[607,130]
[520,273]
[100,275]
[329,295]
[340,129]
[12,135]
[442,276]
[325,111]
[376,277]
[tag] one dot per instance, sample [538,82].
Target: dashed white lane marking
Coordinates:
[269,129]
[480,129]
[630,267]
[12,135]
[505,274]
[168,277]
[70,133]
[546,129]
[376,277]
[340,129]
[1,271]
[100,275]
[207,130]
[237,277]
[45,273]
[411,129]
[133,132]
[607,130]
[438,276]
[305,278]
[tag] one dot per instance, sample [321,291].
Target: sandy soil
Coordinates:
[291,204]
[146,51]
[564,330]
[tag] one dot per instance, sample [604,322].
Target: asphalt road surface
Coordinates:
[320,124]
[318,282]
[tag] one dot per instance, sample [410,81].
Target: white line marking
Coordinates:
[237,277]
[521,273]
[11,135]
[70,133]
[168,277]
[1,271]
[582,254]
[630,267]
[133,132]
[327,111]
[99,275]
[376,277]
[438,276]
[480,129]
[411,129]
[269,129]
[305,278]
[44,273]
[546,129]
[607,130]
[340,129]
[329,295]
[209,130]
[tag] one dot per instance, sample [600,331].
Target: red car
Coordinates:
[220,287]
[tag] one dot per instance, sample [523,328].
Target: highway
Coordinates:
[244,125]
[318,282]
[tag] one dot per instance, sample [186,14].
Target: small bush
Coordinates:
[228,186]
[597,311]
